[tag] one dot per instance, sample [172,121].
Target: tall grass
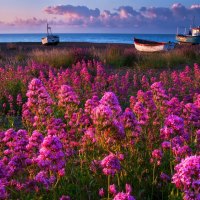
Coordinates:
[113,55]
[59,57]
[179,56]
[117,56]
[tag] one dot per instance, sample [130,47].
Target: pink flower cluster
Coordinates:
[38,109]
[187,177]
[157,156]
[51,157]
[110,165]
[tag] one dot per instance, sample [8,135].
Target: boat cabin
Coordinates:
[196,31]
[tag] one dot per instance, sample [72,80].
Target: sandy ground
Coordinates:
[29,46]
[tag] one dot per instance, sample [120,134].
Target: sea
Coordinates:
[88,37]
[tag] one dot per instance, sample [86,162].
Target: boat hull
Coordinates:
[151,46]
[188,39]
[53,40]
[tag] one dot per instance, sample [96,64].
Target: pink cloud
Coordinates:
[126,16]
[81,11]
[195,6]
[29,22]
[123,19]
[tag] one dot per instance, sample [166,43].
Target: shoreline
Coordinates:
[66,44]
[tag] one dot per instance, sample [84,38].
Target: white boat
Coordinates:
[152,46]
[50,39]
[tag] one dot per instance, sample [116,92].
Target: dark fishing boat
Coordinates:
[152,46]
[50,39]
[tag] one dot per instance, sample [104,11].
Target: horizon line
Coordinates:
[94,33]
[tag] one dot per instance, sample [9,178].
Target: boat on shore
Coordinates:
[152,46]
[191,37]
[50,39]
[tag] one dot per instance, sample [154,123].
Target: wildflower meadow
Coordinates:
[89,133]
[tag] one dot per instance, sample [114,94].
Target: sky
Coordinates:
[98,16]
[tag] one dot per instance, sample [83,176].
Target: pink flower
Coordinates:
[112,189]
[64,197]
[141,113]
[67,96]
[130,122]
[123,196]
[157,155]
[51,156]
[90,104]
[110,165]
[102,116]
[101,192]
[128,188]
[109,99]
[187,177]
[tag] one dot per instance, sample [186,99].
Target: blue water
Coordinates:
[89,37]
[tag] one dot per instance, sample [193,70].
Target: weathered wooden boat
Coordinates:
[152,46]
[50,39]
[192,37]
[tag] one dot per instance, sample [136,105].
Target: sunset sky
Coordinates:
[97,16]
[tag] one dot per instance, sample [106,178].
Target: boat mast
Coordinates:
[193,21]
[48,29]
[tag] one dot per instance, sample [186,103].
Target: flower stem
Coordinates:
[108,187]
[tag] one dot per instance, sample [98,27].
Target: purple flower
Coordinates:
[175,122]
[95,166]
[116,130]
[181,151]
[133,101]
[67,96]
[109,99]
[38,107]
[110,165]
[89,135]
[159,93]
[166,145]
[157,155]
[16,152]
[147,99]
[165,177]
[191,115]
[144,82]
[51,156]
[198,138]
[197,101]
[174,125]
[3,192]
[130,122]
[43,178]
[19,100]
[64,197]
[173,107]
[141,113]
[187,177]
[79,121]
[90,104]
[102,116]
[34,142]
[56,127]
